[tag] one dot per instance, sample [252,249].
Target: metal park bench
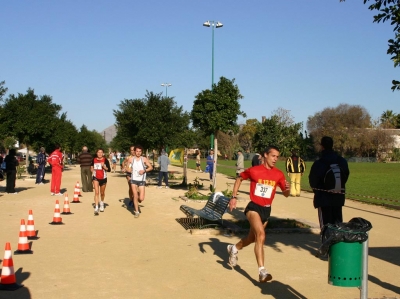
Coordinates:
[213,211]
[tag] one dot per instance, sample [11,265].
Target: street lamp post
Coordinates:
[166,88]
[213,24]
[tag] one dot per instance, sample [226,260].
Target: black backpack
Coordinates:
[335,179]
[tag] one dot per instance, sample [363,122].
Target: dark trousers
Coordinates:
[161,175]
[40,174]
[10,182]
[330,214]
[86,177]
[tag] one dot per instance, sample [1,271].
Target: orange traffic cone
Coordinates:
[76,198]
[78,189]
[57,218]
[23,245]
[30,227]
[66,210]
[7,279]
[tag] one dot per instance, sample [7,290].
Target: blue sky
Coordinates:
[302,56]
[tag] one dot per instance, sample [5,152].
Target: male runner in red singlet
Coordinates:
[264,179]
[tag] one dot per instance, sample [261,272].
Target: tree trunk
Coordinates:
[184,182]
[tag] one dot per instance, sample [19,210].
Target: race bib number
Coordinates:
[97,166]
[264,191]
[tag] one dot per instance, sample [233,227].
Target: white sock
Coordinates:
[260,268]
[97,207]
[234,249]
[102,203]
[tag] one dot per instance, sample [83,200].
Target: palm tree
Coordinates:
[389,119]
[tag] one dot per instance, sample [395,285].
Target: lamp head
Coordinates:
[207,24]
[218,25]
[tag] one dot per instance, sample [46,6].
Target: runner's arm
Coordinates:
[149,166]
[232,202]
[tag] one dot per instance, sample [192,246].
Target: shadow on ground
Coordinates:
[274,288]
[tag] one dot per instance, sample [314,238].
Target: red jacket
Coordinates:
[55,159]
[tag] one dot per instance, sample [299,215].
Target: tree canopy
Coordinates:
[218,109]
[153,122]
[3,90]
[274,131]
[29,118]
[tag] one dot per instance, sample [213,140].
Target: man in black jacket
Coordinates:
[329,203]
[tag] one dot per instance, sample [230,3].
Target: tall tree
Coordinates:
[217,110]
[32,120]
[92,139]
[343,123]
[275,132]
[154,122]
[389,10]
[3,90]
[246,134]
[389,119]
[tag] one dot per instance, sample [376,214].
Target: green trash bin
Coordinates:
[345,264]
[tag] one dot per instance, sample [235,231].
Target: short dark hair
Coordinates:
[269,148]
[12,152]
[327,142]
[138,147]
[57,146]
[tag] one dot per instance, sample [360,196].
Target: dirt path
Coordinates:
[115,255]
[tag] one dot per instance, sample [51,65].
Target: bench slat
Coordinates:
[211,211]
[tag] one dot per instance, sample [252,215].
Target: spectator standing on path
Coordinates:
[198,161]
[86,159]
[41,161]
[56,161]
[99,167]
[210,163]
[328,203]
[163,161]
[11,170]
[263,182]
[239,163]
[140,165]
[257,160]
[295,168]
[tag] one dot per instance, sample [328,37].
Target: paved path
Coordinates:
[115,255]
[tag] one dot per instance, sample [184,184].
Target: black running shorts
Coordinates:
[102,182]
[264,212]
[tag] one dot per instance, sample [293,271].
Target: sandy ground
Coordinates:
[115,255]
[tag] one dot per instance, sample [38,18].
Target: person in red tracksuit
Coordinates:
[55,160]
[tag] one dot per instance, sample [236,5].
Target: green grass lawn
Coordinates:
[366,179]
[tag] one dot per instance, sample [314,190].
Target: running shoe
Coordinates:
[58,194]
[137,214]
[159,187]
[264,276]
[52,194]
[96,211]
[232,256]
[166,187]
[101,207]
